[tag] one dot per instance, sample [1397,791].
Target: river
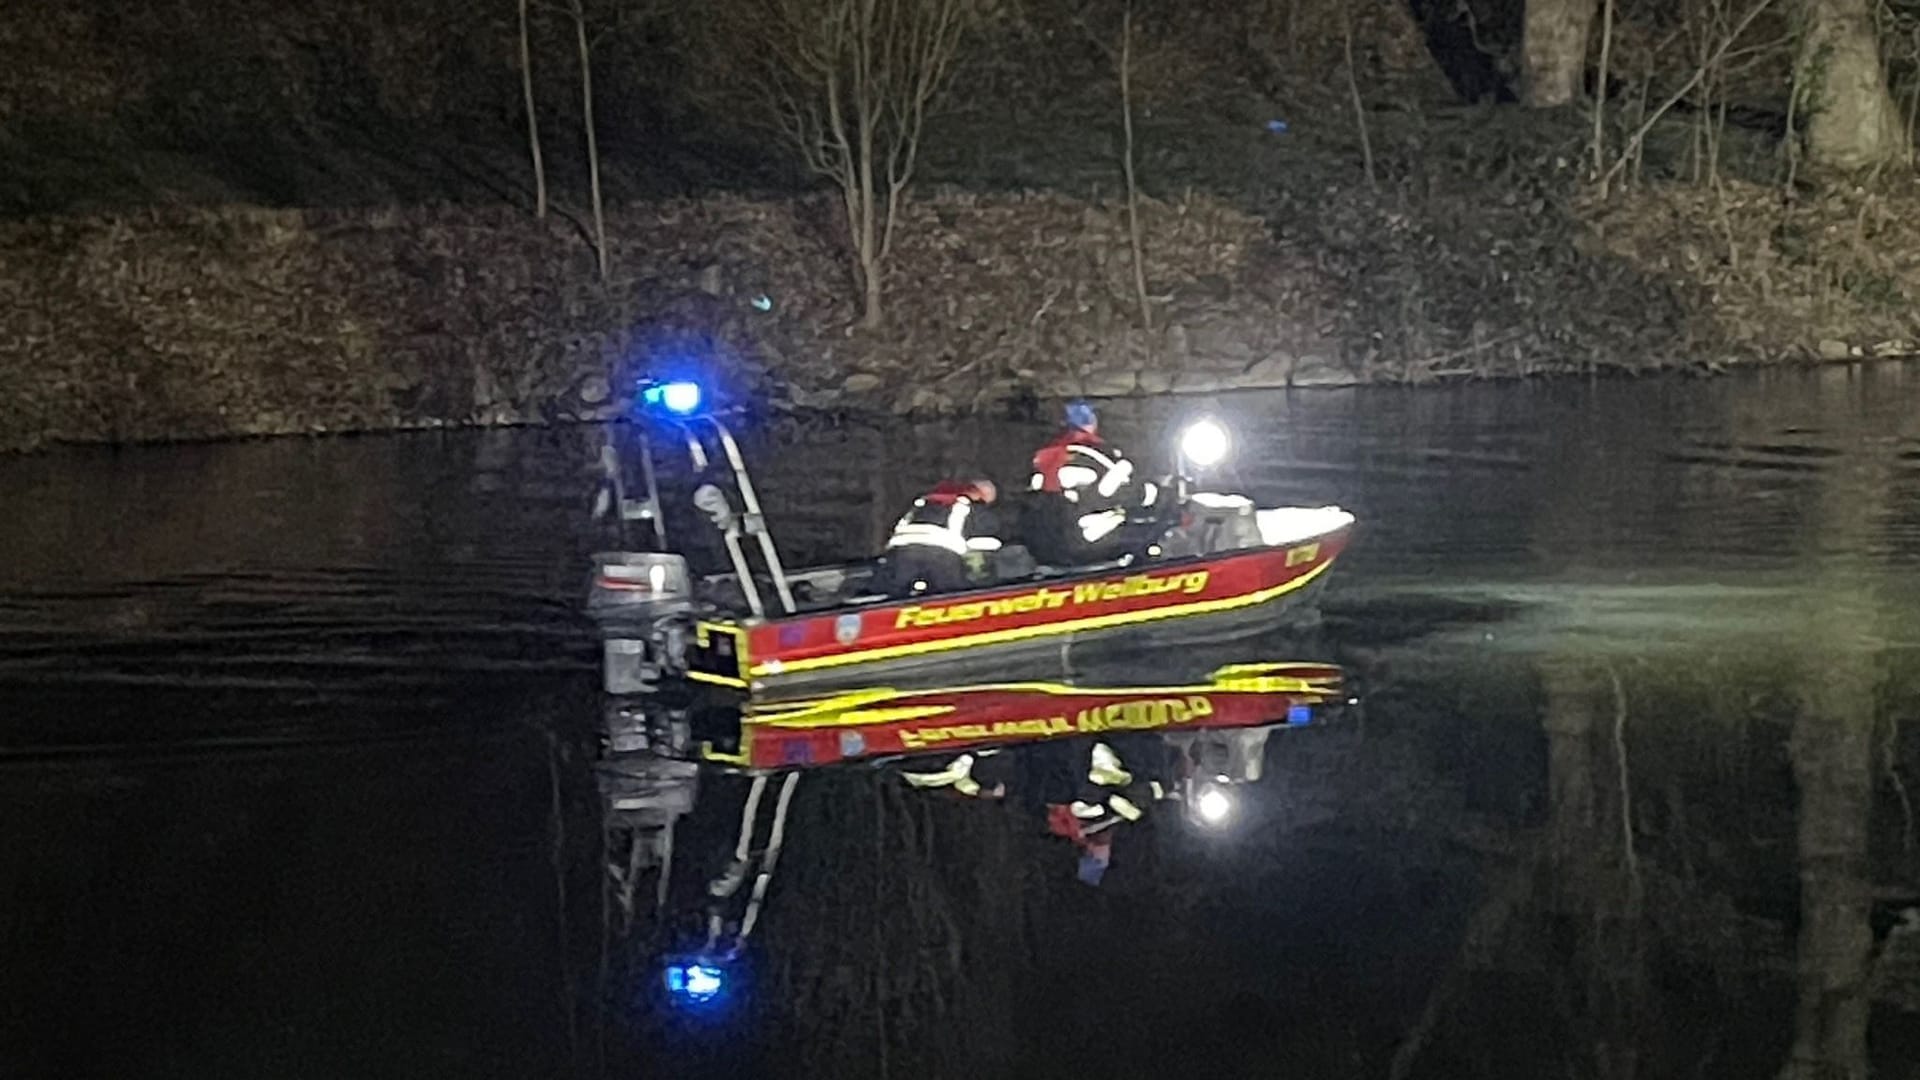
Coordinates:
[296,742]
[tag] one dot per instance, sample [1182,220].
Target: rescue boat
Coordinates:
[1224,567]
[1226,592]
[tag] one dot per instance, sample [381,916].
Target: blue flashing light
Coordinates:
[680,398]
[695,982]
[1299,714]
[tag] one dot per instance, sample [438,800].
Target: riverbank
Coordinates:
[211,322]
[343,243]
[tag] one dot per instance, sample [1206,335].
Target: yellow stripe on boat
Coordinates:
[1023,633]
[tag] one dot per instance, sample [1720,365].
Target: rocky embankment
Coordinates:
[186,324]
[219,322]
[204,323]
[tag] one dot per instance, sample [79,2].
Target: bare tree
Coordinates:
[848,83]
[577,10]
[1353,90]
[1709,65]
[1600,93]
[1852,121]
[1122,59]
[533,119]
[1554,50]
[1126,161]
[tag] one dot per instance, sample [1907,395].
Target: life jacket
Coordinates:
[948,518]
[1078,460]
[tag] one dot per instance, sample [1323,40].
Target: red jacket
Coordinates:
[1057,454]
[947,492]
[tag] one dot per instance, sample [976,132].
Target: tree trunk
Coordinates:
[593,142]
[866,236]
[1852,121]
[867,239]
[867,121]
[1359,109]
[872,315]
[1126,161]
[1600,96]
[1554,50]
[533,120]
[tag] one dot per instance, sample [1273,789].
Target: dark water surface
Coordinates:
[296,743]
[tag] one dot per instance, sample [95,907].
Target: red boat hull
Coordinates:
[810,645]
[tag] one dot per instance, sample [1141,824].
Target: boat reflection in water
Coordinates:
[1088,759]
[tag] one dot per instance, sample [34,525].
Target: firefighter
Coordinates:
[942,543]
[1088,494]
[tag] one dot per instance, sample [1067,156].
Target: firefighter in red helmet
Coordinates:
[941,543]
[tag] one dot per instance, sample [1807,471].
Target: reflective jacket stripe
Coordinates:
[1093,469]
[915,535]
[950,535]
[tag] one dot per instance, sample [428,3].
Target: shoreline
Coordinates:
[853,413]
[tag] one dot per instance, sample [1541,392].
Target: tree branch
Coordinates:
[1648,125]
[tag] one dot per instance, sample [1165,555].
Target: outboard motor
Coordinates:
[643,600]
[639,600]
